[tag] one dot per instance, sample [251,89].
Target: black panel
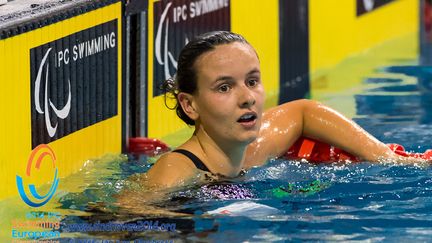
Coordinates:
[294,50]
[426,32]
[135,6]
[134,47]
[365,6]
[77,64]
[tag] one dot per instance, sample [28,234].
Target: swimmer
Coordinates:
[218,89]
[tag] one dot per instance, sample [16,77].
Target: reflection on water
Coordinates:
[398,109]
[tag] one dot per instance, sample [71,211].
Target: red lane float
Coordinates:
[147,146]
[304,148]
[400,150]
[319,152]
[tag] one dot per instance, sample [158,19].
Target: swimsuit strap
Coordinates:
[198,163]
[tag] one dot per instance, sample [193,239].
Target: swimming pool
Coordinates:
[284,200]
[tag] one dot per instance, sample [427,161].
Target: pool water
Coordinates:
[291,200]
[361,201]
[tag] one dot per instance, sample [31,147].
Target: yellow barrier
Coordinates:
[336,32]
[61,86]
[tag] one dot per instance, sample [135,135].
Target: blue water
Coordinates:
[362,201]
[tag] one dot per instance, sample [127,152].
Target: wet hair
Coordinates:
[185,80]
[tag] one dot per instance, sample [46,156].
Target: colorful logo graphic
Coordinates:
[37,156]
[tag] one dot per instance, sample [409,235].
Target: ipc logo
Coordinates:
[35,159]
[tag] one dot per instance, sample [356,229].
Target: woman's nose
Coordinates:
[247,98]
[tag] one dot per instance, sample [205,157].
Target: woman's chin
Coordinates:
[247,139]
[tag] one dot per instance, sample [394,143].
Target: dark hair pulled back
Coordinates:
[185,80]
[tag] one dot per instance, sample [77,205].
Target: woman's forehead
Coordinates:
[228,51]
[227,56]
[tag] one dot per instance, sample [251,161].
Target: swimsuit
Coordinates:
[224,189]
[197,162]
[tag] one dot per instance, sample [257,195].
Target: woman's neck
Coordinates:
[221,157]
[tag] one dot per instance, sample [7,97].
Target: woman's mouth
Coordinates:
[248,120]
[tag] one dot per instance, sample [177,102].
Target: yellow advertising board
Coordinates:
[60,97]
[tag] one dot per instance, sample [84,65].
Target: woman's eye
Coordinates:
[252,82]
[224,88]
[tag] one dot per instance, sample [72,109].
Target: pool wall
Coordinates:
[114,88]
[61,86]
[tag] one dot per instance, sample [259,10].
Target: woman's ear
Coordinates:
[187,103]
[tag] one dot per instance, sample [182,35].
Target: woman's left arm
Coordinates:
[284,124]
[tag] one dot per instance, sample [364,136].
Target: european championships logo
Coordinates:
[38,155]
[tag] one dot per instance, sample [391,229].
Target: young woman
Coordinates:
[218,89]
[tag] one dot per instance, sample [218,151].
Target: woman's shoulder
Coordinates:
[281,126]
[171,169]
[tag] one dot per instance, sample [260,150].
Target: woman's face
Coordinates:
[230,96]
